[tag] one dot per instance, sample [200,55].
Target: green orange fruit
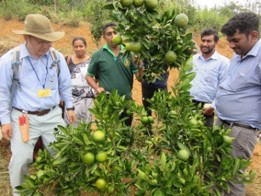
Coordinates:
[138,3]
[170,57]
[183,154]
[101,156]
[181,20]
[158,193]
[150,119]
[117,40]
[100,184]
[228,139]
[98,136]
[144,120]
[126,3]
[88,158]
[151,4]
[133,46]
[194,121]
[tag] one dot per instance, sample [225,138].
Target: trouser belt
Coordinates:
[38,113]
[231,124]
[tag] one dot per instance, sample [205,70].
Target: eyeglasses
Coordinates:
[40,41]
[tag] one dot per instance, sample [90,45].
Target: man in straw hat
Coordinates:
[34,78]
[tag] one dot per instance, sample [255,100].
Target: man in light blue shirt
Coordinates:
[210,67]
[34,78]
[238,99]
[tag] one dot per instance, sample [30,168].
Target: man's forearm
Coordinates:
[92,82]
[5,102]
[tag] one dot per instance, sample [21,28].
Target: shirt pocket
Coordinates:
[52,80]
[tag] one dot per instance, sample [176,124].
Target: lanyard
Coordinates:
[30,62]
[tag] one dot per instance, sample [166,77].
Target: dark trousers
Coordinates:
[148,91]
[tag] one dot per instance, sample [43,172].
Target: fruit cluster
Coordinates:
[89,158]
[157,37]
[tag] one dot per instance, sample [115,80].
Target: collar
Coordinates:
[253,52]
[106,47]
[214,56]
[25,53]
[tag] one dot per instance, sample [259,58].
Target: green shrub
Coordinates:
[97,16]
[73,19]
[41,2]
[208,18]
[11,9]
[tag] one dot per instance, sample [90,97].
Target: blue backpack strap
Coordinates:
[16,67]
[16,64]
[55,59]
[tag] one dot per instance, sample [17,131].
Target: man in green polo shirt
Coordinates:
[110,68]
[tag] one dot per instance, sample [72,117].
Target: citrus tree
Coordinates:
[169,153]
[89,158]
[158,38]
[183,156]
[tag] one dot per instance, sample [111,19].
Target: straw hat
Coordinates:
[39,26]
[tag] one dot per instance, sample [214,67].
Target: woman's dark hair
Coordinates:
[79,38]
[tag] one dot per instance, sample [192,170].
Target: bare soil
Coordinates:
[8,40]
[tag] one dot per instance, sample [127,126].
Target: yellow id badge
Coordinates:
[44,92]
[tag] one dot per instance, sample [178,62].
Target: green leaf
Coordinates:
[163,161]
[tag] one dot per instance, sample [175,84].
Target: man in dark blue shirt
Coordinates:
[148,90]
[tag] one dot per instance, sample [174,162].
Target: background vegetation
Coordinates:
[71,12]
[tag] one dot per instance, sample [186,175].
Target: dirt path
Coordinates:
[8,40]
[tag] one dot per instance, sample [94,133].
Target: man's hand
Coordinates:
[71,116]
[94,84]
[7,131]
[137,61]
[99,90]
[208,110]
